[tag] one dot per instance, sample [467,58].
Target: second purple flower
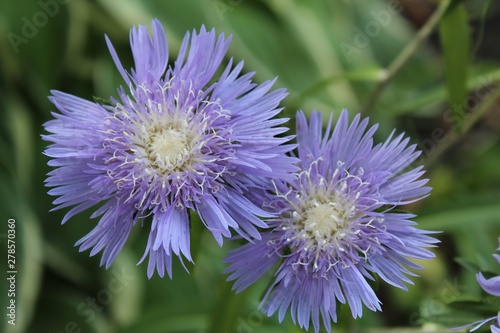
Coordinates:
[337,227]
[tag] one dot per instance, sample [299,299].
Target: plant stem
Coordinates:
[405,55]
[471,119]
[228,305]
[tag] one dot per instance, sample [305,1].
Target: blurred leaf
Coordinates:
[190,323]
[436,311]
[227,307]
[451,319]
[484,13]
[127,12]
[454,34]
[479,308]
[22,133]
[461,217]
[67,310]
[126,282]
[368,74]
[468,265]
[313,35]
[438,94]
[476,242]
[65,265]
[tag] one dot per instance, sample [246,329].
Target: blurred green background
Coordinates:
[428,68]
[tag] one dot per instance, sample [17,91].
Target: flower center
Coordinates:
[325,211]
[168,149]
[323,221]
[164,151]
[331,220]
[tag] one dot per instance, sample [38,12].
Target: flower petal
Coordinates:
[491,286]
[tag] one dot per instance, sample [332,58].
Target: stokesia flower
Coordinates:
[338,225]
[178,140]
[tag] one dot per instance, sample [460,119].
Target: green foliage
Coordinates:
[454,34]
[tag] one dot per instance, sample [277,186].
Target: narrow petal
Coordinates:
[248,263]
[173,231]
[491,286]
[110,234]
[216,219]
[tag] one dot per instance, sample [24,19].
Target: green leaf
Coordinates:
[480,308]
[367,74]
[436,311]
[189,323]
[481,80]
[450,220]
[468,265]
[483,18]
[454,34]
[228,306]
[451,319]
[127,293]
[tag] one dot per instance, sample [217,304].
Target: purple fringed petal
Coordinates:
[117,62]
[250,263]
[159,260]
[169,235]
[216,219]
[150,54]
[491,286]
[110,234]
[357,292]
[173,232]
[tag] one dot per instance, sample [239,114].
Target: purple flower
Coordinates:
[337,224]
[178,139]
[492,287]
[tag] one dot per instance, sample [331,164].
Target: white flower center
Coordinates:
[329,220]
[324,211]
[323,221]
[166,143]
[163,150]
[168,149]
